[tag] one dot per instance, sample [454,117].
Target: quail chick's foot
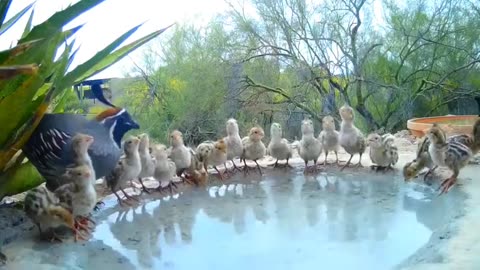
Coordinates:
[171,187]
[144,188]
[128,197]
[447,184]
[235,167]
[52,237]
[220,174]
[123,202]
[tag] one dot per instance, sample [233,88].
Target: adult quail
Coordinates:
[50,151]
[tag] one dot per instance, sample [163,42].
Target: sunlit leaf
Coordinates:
[6,25]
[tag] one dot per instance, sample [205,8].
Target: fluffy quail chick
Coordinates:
[329,137]
[165,169]
[234,142]
[310,147]
[452,154]
[253,147]
[148,163]
[383,151]
[127,168]
[80,145]
[350,137]
[279,147]
[79,195]
[179,153]
[45,210]
[218,156]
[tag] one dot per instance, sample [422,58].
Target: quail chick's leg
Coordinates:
[288,164]
[359,164]
[348,163]
[245,167]
[336,156]
[120,200]
[429,172]
[220,174]
[170,187]
[144,188]
[306,170]
[128,197]
[258,166]
[235,167]
[326,155]
[276,164]
[448,183]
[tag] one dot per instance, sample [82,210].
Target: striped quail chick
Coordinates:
[45,210]
[383,151]
[451,154]
[79,195]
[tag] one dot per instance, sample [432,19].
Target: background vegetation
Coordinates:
[285,59]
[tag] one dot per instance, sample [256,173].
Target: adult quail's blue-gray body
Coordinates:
[50,151]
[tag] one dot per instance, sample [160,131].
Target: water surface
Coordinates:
[282,221]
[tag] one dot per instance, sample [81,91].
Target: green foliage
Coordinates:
[46,84]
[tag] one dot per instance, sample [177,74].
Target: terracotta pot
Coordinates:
[419,126]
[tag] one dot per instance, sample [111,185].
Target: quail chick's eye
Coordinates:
[78,173]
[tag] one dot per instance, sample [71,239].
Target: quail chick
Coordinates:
[165,169]
[279,147]
[219,155]
[234,142]
[310,147]
[45,210]
[329,137]
[422,160]
[253,147]
[452,154]
[179,153]
[79,195]
[383,151]
[148,163]
[350,137]
[127,168]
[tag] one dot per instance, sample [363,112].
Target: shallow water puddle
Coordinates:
[284,222]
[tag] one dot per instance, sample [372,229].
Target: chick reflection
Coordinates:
[134,230]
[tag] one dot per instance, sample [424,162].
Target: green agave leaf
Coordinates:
[4,5]
[19,179]
[5,26]
[109,59]
[28,26]
[7,55]
[42,53]
[80,70]
[57,21]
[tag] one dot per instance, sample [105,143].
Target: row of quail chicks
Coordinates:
[436,150]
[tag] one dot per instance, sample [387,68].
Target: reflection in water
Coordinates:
[285,221]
